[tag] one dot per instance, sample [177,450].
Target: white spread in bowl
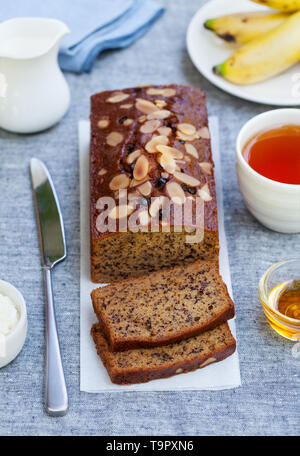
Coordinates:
[13,322]
[9,315]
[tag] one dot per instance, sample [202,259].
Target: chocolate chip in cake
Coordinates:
[130,148]
[190,190]
[160,183]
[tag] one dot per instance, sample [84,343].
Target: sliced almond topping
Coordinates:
[119,181]
[121,211]
[145,189]
[204,193]
[117,97]
[154,91]
[165,175]
[167,162]
[133,156]
[183,137]
[103,123]
[166,131]
[176,192]
[167,92]
[135,182]
[133,196]
[206,167]
[127,122]
[126,106]
[190,149]
[142,119]
[155,205]
[177,154]
[102,172]
[186,129]
[114,138]
[187,179]
[144,217]
[141,168]
[162,114]
[121,193]
[150,126]
[203,133]
[160,103]
[154,142]
[145,106]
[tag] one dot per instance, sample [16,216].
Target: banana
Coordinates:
[243,27]
[288,6]
[265,57]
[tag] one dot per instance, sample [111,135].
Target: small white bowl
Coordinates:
[14,341]
[274,204]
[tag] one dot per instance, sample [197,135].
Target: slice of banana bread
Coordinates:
[143,365]
[163,307]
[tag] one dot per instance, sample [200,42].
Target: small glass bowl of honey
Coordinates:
[279,293]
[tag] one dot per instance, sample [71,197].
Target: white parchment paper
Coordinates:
[93,375]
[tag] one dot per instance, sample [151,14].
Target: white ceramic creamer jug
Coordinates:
[34,94]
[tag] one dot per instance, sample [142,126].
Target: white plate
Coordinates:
[207,50]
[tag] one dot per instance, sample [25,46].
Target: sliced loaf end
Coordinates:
[143,365]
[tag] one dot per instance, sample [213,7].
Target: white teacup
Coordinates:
[12,343]
[276,205]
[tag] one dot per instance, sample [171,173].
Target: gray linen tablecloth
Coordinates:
[268,401]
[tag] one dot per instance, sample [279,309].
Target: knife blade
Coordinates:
[49,219]
[53,250]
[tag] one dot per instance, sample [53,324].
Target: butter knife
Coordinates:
[53,249]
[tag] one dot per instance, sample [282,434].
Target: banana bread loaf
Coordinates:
[150,146]
[142,365]
[163,307]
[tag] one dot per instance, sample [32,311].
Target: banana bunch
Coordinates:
[241,28]
[282,5]
[269,43]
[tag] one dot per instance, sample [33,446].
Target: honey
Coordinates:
[289,302]
[283,305]
[279,293]
[275,154]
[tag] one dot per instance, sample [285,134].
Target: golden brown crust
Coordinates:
[187,105]
[132,375]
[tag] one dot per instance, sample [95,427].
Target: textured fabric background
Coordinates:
[268,401]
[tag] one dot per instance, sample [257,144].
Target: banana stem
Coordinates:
[219,69]
[208,24]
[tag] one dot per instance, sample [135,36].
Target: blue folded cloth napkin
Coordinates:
[95,25]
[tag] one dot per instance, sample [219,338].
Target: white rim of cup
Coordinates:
[21,302]
[239,147]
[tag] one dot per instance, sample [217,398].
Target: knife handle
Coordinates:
[56,390]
